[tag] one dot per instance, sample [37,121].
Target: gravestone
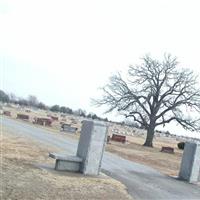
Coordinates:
[7,113]
[22,116]
[68,128]
[119,138]
[190,165]
[43,121]
[91,146]
[167,150]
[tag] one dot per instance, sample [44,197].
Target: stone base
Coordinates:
[66,163]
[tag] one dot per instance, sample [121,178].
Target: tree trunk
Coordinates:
[149,138]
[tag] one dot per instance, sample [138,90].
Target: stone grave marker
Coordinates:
[68,128]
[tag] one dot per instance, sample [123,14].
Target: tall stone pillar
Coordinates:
[91,146]
[190,165]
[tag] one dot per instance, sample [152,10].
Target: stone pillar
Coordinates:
[190,165]
[91,146]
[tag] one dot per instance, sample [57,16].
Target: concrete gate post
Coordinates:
[91,146]
[190,165]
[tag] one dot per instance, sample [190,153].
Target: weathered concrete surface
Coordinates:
[190,165]
[66,162]
[91,146]
[66,165]
[142,182]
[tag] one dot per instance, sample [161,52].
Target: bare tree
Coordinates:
[155,93]
[32,100]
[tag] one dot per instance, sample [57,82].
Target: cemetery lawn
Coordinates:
[133,150]
[26,174]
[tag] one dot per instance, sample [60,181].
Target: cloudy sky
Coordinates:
[63,51]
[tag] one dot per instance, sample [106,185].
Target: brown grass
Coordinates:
[167,163]
[25,174]
[133,150]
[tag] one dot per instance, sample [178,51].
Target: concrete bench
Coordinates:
[66,162]
[167,150]
[119,138]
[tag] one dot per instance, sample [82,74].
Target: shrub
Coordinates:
[181,145]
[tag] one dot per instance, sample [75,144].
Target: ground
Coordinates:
[133,150]
[24,165]
[27,173]
[166,163]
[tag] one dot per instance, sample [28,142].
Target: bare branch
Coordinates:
[154,93]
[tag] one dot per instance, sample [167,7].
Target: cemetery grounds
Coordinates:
[24,175]
[133,150]
[32,178]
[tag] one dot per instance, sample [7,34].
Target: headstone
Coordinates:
[7,113]
[22,116]
[190,165]
[91,146]
[119,138]
[54,118]
[68,128]
[167,150]
[43,121]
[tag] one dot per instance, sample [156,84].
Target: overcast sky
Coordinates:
[62,51]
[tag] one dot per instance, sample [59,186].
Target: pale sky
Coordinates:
[62,51]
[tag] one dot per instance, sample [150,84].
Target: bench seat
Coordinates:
[66,162]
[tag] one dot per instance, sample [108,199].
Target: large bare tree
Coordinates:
[155,93]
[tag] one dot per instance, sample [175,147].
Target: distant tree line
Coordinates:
[32,101]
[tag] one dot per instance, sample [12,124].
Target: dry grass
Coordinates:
[167,163]
[22,176]
[54,128]
[133,150]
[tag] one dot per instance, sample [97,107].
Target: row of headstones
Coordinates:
[91,147]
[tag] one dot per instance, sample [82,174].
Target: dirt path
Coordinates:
[23,178]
